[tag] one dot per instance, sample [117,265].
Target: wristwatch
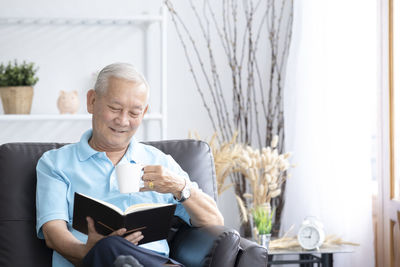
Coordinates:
[186,191]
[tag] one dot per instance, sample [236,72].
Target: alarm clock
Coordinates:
[311,234]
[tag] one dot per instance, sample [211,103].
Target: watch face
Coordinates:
[186,193]
[308,237]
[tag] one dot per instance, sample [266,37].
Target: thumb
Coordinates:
[90,223]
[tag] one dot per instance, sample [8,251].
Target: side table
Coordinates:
[306,258]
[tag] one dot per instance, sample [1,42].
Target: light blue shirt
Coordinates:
[79,168]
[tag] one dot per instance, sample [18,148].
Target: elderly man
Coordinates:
[118,104]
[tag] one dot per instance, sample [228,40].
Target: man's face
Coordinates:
[117,113]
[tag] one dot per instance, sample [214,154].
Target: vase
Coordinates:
[263,240]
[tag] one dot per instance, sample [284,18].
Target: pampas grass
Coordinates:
[242,208]
[225,157]
[265,170]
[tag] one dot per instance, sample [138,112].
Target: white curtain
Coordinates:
[329,106]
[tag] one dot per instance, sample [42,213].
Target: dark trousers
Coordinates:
[104,253]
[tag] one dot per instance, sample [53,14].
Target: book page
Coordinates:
[144,206]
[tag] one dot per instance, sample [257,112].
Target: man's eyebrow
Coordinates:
[141,107]
[115,102]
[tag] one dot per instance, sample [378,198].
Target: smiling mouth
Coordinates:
[117,131]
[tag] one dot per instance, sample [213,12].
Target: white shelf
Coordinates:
[65,117]
[139,19]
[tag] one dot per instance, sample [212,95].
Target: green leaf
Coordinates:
[263,219]
[15,74]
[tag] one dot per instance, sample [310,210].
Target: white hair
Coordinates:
[119,70]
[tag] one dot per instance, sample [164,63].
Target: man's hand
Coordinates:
[59,238]
[157,178]
[134,237]
[94,237]
[201,208]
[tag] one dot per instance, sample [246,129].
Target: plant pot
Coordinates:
[17,99]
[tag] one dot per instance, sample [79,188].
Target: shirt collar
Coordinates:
[85,151]
[133,146]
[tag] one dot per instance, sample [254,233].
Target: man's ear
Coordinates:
[90,99]
[145,110]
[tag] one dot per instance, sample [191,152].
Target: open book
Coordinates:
[153,219]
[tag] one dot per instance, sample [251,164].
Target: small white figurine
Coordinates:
[68,102]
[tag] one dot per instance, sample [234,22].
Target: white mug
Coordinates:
[129,177]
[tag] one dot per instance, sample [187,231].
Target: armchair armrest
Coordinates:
[251,254]
[205,246]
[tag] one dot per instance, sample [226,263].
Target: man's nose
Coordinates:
[123,119]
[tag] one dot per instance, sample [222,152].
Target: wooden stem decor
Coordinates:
[241,34]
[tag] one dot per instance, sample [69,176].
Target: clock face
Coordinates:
[308,237]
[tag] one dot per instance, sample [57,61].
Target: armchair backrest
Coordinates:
[19,245]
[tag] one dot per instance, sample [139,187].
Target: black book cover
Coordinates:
[153,222]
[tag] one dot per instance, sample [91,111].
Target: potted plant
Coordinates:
[262,218]
[16,87]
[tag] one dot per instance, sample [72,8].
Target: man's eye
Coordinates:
[113,108]
[135,115]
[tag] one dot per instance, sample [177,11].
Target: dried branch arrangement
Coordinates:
[255,93]
[252,42]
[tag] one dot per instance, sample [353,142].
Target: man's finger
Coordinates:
[147,186]
[134,238]
[136,241]
[150,176]
[152,168]
[119,232]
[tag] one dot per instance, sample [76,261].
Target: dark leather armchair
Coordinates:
[205,246]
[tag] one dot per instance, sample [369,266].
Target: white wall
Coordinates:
[68,56]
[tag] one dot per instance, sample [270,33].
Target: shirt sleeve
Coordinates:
[180,211]
[51,194]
